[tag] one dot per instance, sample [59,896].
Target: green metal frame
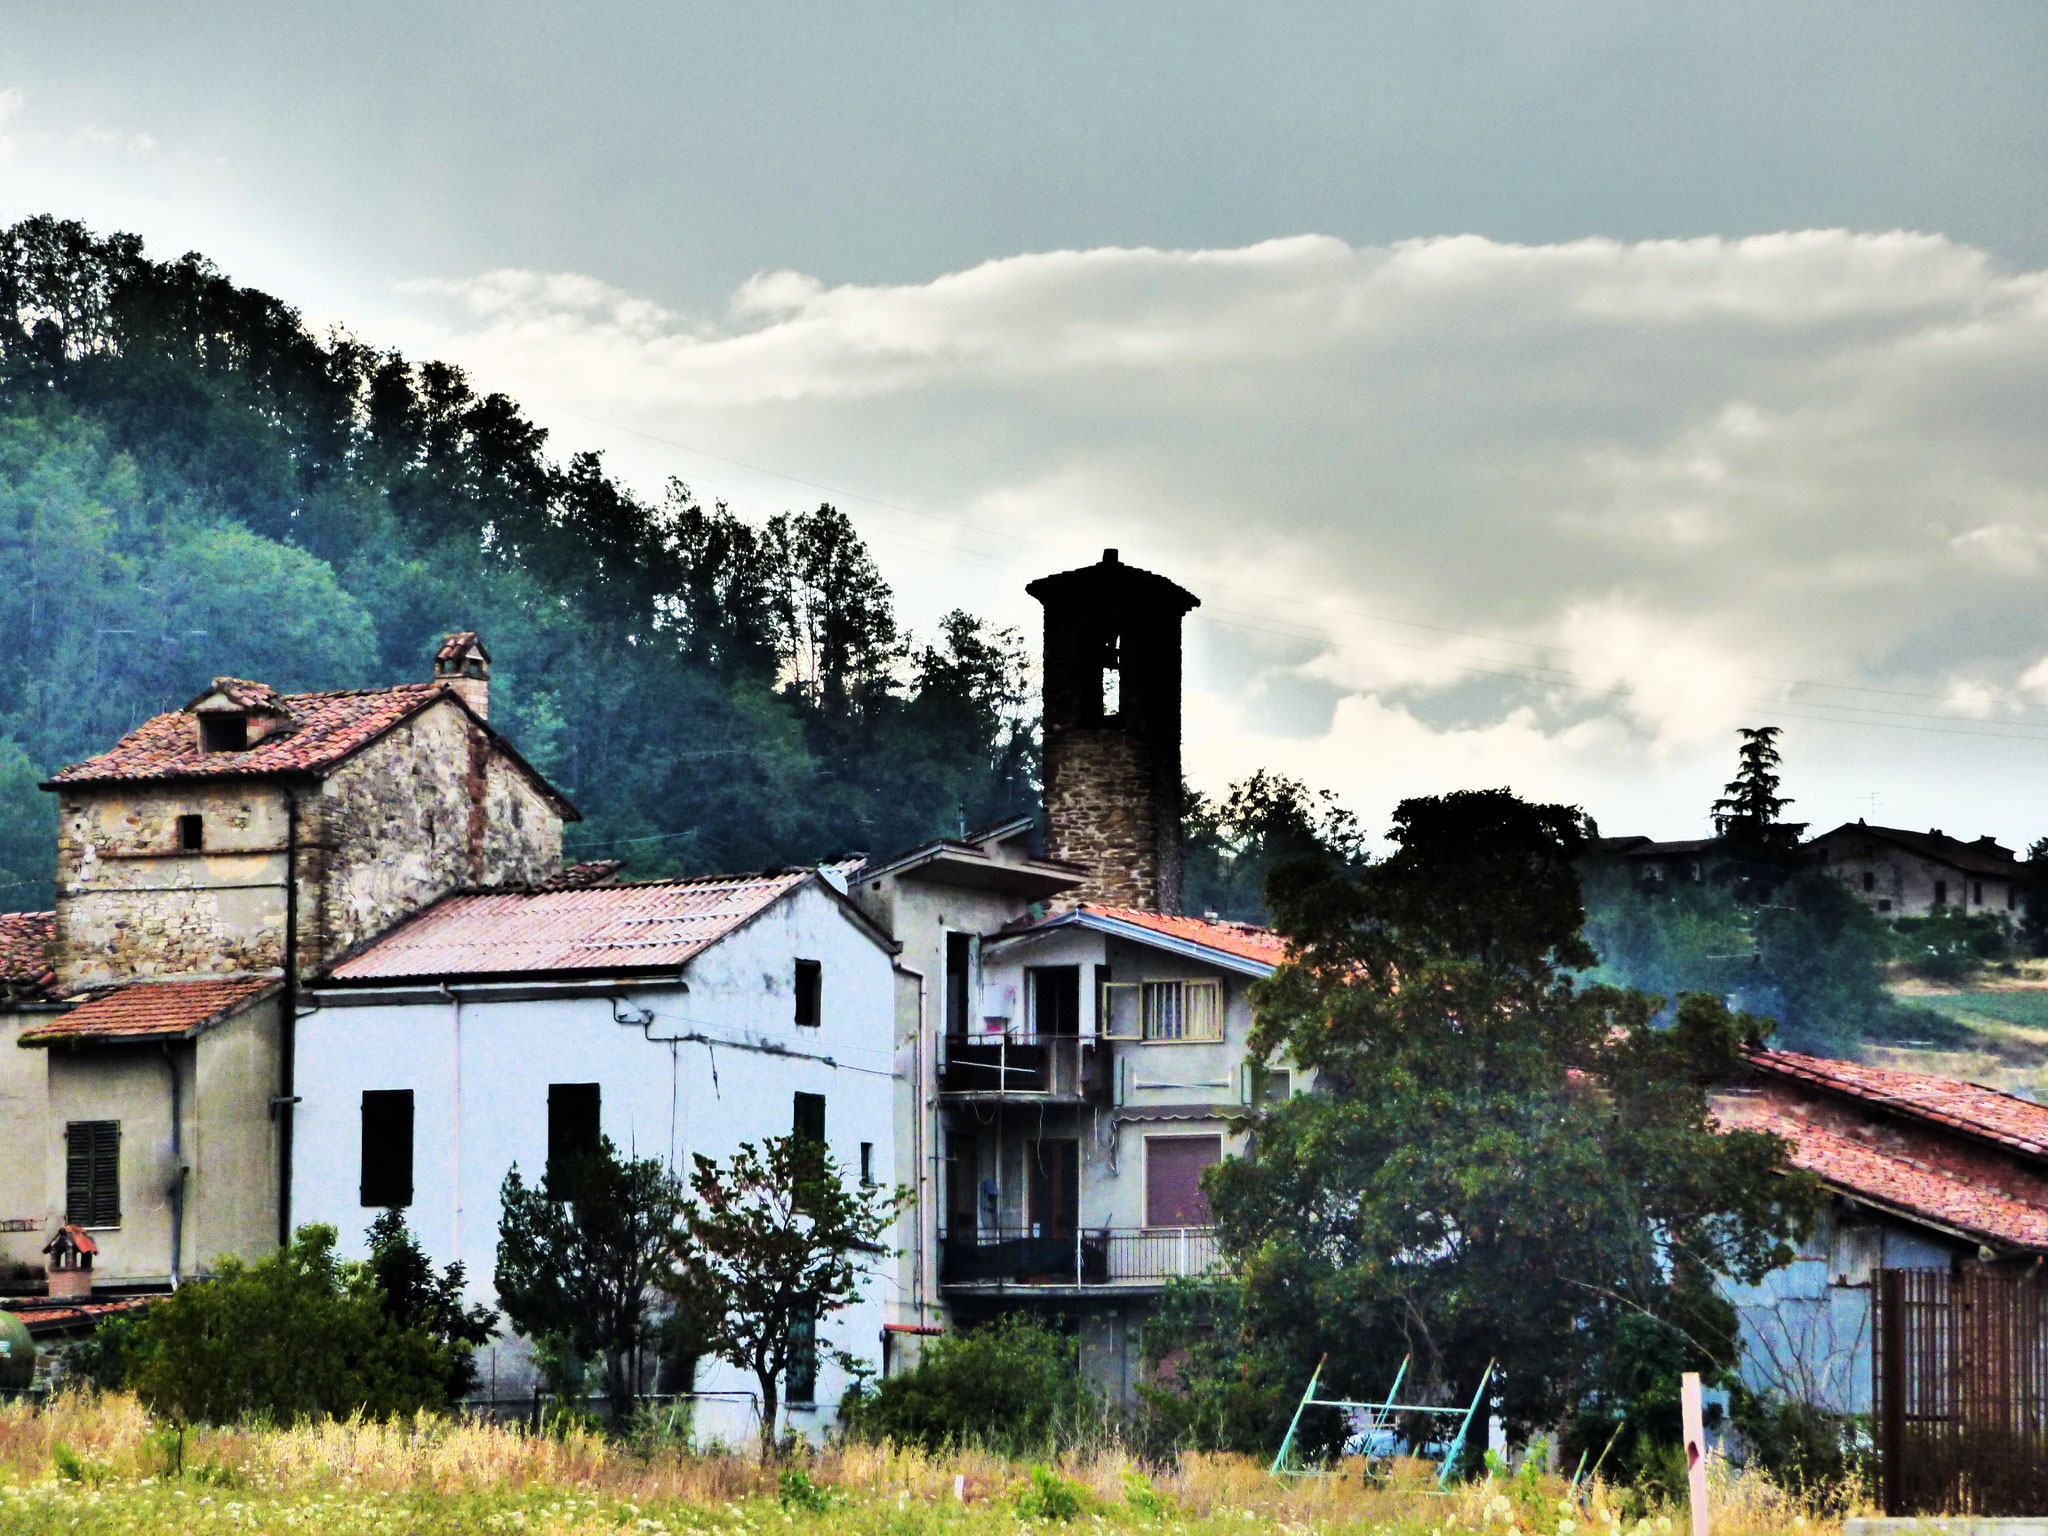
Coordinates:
[1378,1414]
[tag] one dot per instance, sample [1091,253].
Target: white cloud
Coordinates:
[1666,481]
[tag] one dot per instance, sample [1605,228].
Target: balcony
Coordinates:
[1044,1067]
[1107,1258]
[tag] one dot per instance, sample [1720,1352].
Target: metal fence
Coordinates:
[1055,1066]
[1962,1391]
[1106,1256]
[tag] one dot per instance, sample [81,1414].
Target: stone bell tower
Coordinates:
[1112,730]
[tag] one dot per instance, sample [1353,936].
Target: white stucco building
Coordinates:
[675,1017]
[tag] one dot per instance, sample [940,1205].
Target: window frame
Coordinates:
[1194,1016]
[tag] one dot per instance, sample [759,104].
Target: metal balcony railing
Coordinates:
[1106,1256]
[1037,1066]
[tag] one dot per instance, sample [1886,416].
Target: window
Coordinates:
[810,982]
[1271,1085]
[1884,904]
[387,1147]
[1941,893]
[92,1173]
[1173,1179]
[1977,893]
[1055,999]
[572,1124]
[963,1183]
[1052,1185]
[808,1121]
[959,978]
[867,1162]
[1853,1253]
[223,733]
[1112,679]
[800,1377]
[2010,903]
[1165,1010]
[191,833]
[1869,881]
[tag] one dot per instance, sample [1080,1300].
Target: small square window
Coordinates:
[191,833]
[810,984]
[1884,904]
[223,733]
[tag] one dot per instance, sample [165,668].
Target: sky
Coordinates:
[1532,393]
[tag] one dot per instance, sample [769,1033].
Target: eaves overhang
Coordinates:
[1134,933]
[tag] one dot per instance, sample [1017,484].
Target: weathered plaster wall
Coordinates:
[231,1141]
[24,1115]
[131,905]
[425,810]
[129,1083]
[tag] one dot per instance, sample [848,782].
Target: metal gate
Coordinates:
[1962,1390]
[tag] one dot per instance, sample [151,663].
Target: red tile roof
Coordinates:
[1900,1183]
[1982,857]
[1247,941]
[641,925]
[152,1010]
[40,1315]
[325,728]
[2002,1118]
[25,944]
[589,872]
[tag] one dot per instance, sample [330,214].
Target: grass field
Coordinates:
[90,1466]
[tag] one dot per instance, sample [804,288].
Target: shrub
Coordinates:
[105,1358]
[1949,944]
[1013,1386]
[295,1335]
[1805,1447]
[1048,1496]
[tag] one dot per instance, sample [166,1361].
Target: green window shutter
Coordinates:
[92,1173]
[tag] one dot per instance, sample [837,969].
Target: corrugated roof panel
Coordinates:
[638,925]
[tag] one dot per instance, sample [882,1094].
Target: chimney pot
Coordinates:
[464,666]
[1109,557]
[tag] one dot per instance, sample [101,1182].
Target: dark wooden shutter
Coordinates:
[387,1147]
[92,1173]
[573,1111]
[1173,1179]
[809,1117]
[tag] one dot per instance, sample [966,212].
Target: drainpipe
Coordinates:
[455,1124]
[177,1190]
[287,1030]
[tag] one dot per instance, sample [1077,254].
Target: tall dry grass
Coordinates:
[113,1439]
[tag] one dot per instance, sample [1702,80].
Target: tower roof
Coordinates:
[1110,580]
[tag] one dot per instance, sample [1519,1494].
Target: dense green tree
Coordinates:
[296,1335]
[191,483]
[1261,822]
[772,1242]
[416,1297]
[1500,1161]
[580,1258]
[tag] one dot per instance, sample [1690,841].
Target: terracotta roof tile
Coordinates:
[243,694]
[651,924]
[589,872]
[324,729]
[1900,1183]
[152,1010]
[41,1315]
[2003,1118]
[26,940]
[1247,941]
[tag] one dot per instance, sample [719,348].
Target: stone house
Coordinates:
[1921,1172]
[216,857]
[1900,873]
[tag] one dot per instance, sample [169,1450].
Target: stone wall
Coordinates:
[132,905]
[429,808]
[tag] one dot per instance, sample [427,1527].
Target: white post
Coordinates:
[1694,1421]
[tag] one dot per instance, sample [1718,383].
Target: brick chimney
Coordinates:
[465,666]
[1112,730]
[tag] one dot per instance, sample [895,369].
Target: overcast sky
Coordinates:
[1533,393]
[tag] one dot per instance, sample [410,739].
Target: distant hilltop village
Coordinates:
[315,956]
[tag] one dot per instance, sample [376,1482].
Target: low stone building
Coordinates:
[1900,873]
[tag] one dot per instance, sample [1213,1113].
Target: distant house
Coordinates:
[1899,873]
[1921,1172]
[1649,864]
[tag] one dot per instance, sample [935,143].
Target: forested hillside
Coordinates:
[192,485]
